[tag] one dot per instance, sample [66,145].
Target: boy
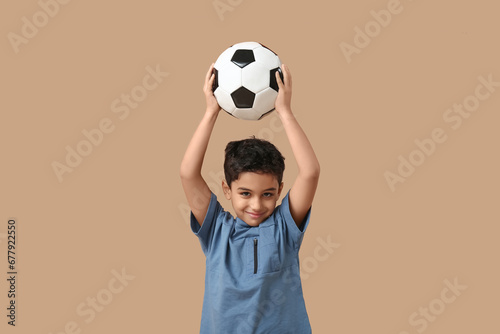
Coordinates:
[252,280]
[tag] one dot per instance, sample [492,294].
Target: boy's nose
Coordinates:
[256,205]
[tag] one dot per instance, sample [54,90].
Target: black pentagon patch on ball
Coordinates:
[273,83]
[243,98]
[216,80]
[243,57]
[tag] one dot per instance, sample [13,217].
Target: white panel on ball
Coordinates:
[246,45]
[225,100]
[229,77]
[266,56]
[224,58]
[255,77]
[264,101]
[246,114]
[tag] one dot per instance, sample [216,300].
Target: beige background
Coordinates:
[123,206]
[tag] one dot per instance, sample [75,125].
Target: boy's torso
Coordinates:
[252,282]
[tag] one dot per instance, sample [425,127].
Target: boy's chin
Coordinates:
[252,223]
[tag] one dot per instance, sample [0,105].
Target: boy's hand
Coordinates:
[284,99]
[211,101]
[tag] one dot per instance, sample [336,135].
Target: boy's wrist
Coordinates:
[211,112]
[284,112]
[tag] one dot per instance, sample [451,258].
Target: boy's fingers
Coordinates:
[278,79]
[209,78]
[209,73]
[286,75]
[209,84]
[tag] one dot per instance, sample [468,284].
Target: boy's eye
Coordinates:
[245,193]
[268,194]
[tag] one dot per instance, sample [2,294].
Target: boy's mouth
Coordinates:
[254,215]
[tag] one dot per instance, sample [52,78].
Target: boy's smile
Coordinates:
[253,196]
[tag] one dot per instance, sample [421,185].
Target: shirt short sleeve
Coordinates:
[206,231]
[294,233]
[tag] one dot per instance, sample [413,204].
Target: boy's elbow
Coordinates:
[315,174]
[184,175]
[312,173]
[188,174]
[184,172]
[315,170]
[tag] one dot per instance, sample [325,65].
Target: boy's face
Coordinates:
[253,196]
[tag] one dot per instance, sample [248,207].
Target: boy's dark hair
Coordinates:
[252,155]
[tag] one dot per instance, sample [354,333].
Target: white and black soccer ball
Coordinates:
[245,80]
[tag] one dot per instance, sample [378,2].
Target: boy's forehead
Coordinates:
[257,181]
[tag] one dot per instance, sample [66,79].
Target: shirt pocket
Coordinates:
[262,254]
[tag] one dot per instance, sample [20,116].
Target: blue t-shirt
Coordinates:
[252,279]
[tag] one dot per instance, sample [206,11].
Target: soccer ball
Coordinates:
[245,80]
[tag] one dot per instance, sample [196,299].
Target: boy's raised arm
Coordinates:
[302,192]
[197,192]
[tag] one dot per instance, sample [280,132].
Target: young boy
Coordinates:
[252,280]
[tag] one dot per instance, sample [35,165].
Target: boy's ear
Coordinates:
[226,189]
[280,189]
